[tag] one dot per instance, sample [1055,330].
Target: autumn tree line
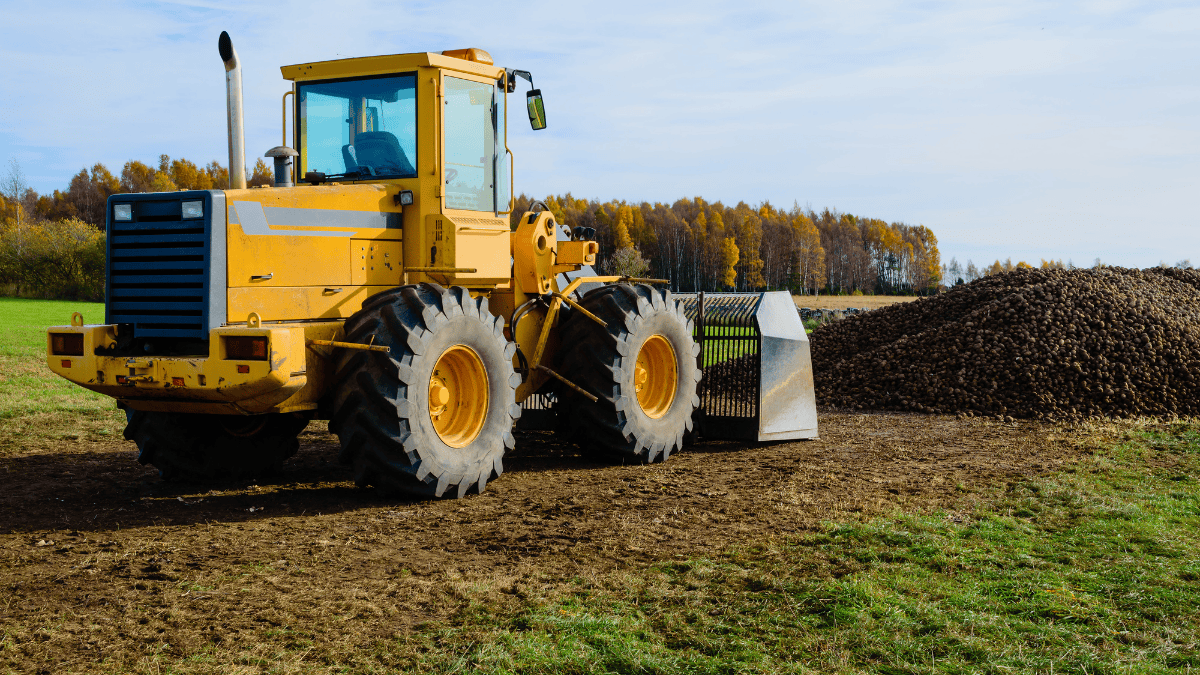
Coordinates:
[955,274]
[53,244]
[699,245]
[89,190]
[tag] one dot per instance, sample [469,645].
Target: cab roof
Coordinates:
[474,61]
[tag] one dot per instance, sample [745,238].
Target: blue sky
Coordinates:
[1023,129]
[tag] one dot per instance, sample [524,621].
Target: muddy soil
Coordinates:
[101,560]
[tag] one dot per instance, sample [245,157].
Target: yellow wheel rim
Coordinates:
[654,376]
[458,396]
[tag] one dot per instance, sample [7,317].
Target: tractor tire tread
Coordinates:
[602,362]
[191,447]
[379,407]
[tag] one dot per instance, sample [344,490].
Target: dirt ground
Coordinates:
[844,301]
[99,559]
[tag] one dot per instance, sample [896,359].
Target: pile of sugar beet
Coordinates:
[1106,342]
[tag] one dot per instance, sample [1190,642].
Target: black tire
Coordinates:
[190,447]
[380,401]
[601,360]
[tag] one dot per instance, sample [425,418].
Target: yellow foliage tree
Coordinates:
[699,229]
[749,240]
[621,238]
[263,174]
[714,247]
[808,256]
[162,183]
[929,258]
[641,234]
[556,208]
[729,259]
[188,176]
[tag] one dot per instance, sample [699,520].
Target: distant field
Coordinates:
[32,399]
[844,301]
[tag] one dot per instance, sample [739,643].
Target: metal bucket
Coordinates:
[757,383]
[754,353]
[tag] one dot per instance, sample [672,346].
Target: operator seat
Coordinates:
[382,152]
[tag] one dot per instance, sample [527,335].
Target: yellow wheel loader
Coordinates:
[377,284]
[384,290]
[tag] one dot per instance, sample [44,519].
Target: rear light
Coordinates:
[66,344]
[121,379]
[243,369]
[66,363]
[246,348]
[177,381]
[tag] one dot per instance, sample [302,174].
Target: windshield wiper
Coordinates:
[318,177]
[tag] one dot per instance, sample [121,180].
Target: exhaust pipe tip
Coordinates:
[233,102]
[225,46]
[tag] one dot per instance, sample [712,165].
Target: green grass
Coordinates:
[32,399]
[1095,571]
[717,351]
[23,322]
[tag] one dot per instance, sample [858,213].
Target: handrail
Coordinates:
[292,93]
[285,95]
[512,197]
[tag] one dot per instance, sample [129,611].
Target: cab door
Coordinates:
[472,230]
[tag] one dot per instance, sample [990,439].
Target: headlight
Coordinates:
[193,210]
[122,211]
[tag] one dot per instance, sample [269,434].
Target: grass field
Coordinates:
[1092,571]
[844,301]
[36,405]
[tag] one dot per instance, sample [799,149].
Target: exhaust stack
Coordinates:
[233,100]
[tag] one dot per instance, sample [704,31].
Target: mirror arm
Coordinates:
[512,74]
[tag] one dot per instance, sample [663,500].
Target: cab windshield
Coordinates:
[359,128]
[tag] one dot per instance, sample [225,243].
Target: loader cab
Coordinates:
[434,123]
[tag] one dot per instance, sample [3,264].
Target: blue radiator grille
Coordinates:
[159,268]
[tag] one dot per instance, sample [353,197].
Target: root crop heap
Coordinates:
[1030,343]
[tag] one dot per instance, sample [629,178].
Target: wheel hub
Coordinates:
[458,396]
[654,376]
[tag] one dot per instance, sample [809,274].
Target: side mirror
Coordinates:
[537,110]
